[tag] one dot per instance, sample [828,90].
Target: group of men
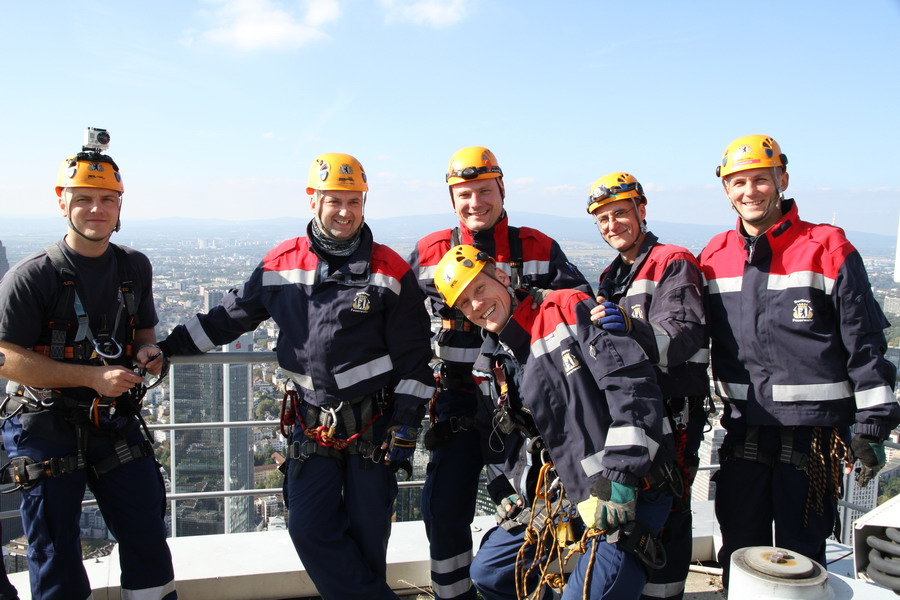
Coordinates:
[587,410]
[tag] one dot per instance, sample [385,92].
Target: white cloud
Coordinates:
[250,25]
[436,13]
[524,180]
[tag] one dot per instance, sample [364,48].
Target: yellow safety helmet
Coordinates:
[336,171]
[457,269]
[612,187]
[751,152]
[472,163]
[89,169]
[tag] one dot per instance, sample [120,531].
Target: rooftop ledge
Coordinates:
[264,565]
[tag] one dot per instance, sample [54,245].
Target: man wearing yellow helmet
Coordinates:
[459,453]
[75,319]
[579,403]
[797,358]
[354,340]
[655,292]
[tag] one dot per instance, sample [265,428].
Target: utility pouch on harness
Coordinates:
[639,540]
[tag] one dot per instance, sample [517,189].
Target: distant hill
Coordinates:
[398,232]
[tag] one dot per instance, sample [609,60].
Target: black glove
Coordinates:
[870,452]
[509,507]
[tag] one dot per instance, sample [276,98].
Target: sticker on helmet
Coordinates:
[324,168]
[346,169]
[70,172]
[95,167]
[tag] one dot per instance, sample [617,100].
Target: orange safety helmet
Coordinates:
[89,169]
[336,171]
[751,152]
[611,187]
[456,270]
[472,163]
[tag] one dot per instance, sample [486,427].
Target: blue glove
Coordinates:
[615,319]
[870,452]
[401,440]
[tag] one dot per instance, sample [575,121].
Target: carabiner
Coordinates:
[111,348]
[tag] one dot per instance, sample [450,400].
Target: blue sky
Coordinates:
[216,108]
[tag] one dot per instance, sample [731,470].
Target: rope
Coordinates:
[546,541]
[823,476]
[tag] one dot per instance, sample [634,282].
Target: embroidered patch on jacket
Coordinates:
[803,311]
[361,303]
[637,311]
[570,362]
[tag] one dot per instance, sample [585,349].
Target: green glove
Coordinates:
[509,507]
[870,452]
[616,505]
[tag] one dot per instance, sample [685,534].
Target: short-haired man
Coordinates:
[797,358]
[75,318]
[655,291]
[587,404]
[354,340]
[459,437]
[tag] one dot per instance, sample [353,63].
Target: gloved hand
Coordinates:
[615,318]
[400,442]
[870,452]
[537,296]
[509,507]
[612,505]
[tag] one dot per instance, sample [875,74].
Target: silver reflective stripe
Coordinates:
[701,356]
[363,372]
[304,381]
[642,286]
[812,392]
[448,565]
[619,436]
[535,267]
[198,335]
[800,279]
[415,388]
[486,387]
[551,341]
[667,428]
[385,281]
[874,397]
[732,391]
[663,590]
[662,344]
[593,464]
[724,285]
[289,277]
[453,590]
[629,435]
[427,273]
[155,593]
[455,354]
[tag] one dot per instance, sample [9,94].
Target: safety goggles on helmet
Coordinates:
[612,187]
[472,172]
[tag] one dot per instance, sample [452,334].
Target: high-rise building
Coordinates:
[4,262]
[212,298]
[897,256]
[212,459]
[704,488]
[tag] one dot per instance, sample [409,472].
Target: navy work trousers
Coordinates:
[131,498]
[751,497]
[615,574]
[339,519]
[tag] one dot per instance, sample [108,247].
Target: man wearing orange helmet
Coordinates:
[586,436]
[654,291]
[75,319]
[354,340]
[797,358]
[459,452]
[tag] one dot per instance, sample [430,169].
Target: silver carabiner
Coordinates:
[111,348]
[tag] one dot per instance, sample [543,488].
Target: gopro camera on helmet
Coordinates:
[95,139]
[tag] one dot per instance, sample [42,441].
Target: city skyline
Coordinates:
[217,107]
